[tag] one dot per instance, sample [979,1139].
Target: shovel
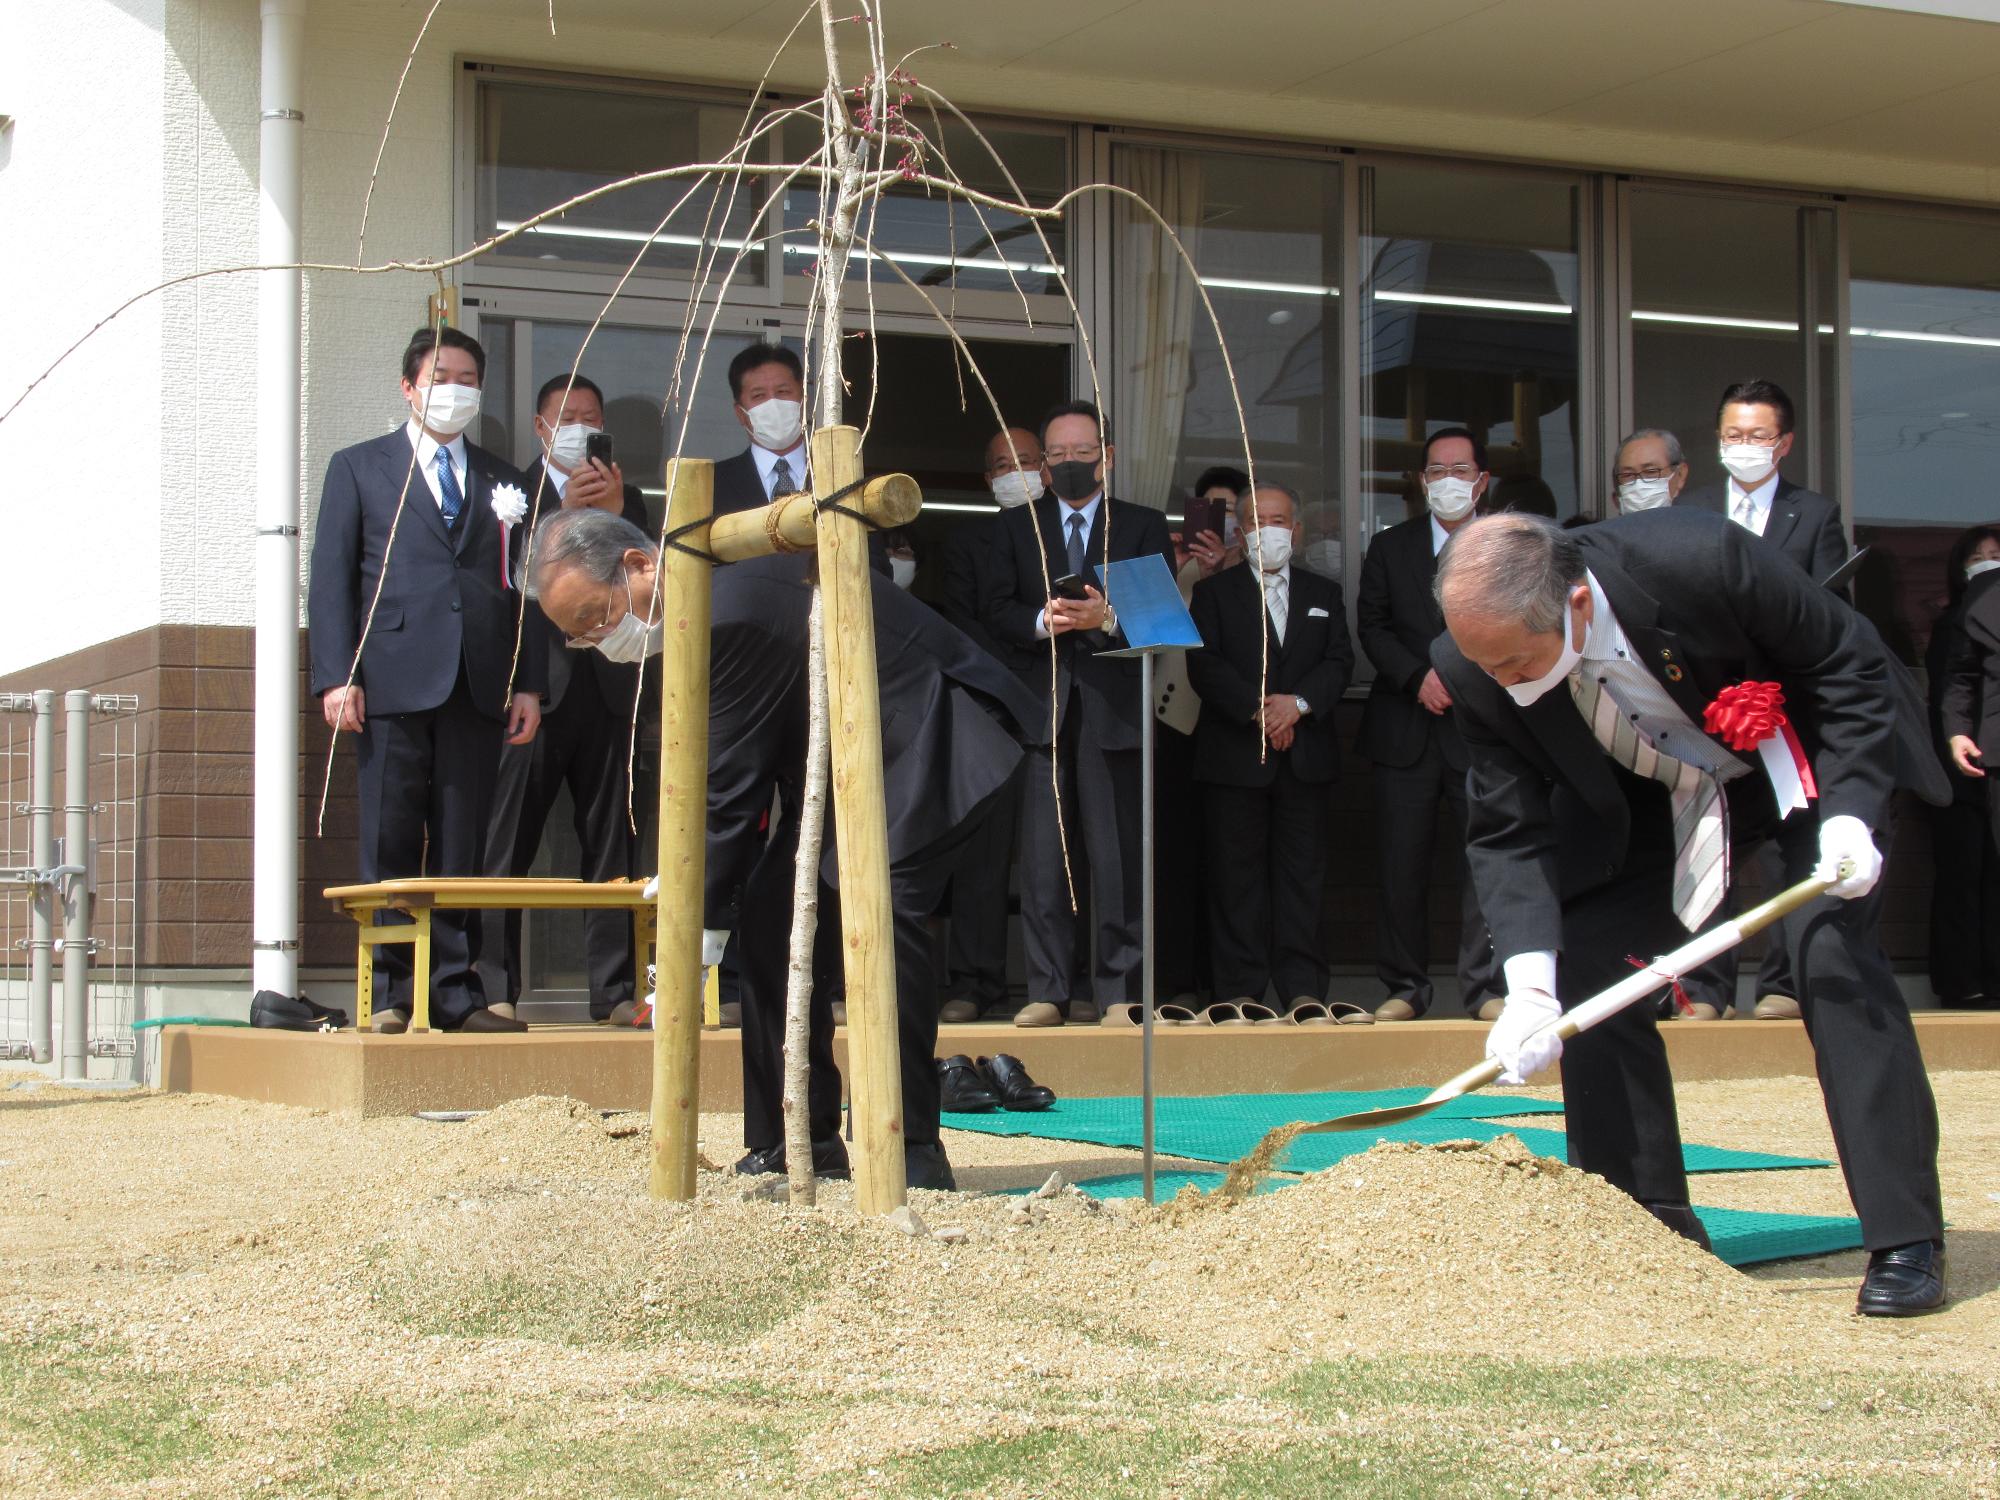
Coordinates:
[1643,982]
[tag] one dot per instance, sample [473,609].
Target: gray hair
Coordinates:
[1675,458]
[591,539]
[1513,566]
[1249,494]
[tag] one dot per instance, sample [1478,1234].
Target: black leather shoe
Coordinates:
[485,1020]
[829,1160]
[1903,1282]
[293,1013]
[962,1088]
[926,1166]
[1681,1220]
[1011,1082]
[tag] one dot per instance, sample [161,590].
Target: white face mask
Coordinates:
[1322,557]
[632,639]
[1749,463]
[570,445]
[776,424]
[1644,494]
[1017,487]
[902,571]
[1984,565]
[1449,498]
[1525,693]
[1270,547]
[449,409]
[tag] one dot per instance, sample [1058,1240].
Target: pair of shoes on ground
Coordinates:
[924,1163]
[961,1010]
[1403,1008]
[1776,1008]
[997,1082]
[498,1017]
[1049,1013]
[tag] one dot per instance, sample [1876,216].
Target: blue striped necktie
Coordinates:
[451,499]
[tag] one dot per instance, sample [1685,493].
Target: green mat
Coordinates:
[1740,1237]
[1224,1127]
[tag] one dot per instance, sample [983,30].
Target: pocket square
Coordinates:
[1316,613]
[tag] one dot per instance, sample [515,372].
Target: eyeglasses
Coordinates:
[1764,437]
[584,640]
[1005,465]
[1450,471]
[1088,455]
[1651,471]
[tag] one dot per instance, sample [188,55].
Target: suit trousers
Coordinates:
[976,965]
[427,783]
[1714,983]
[1406,807]
[1965,905]
[1102,809]
[1182,877]
[581,745]
[1268,874]
[914,885]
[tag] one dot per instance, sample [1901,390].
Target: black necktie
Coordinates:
[1076,543]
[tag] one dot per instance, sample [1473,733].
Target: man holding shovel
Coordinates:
[1641,700]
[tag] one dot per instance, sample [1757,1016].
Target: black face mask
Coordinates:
[1073,479]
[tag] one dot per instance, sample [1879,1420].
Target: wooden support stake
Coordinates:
[862,822]
[685,583]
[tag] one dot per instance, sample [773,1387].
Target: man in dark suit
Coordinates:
[1408,733]
[413,652]
[952,719]
[1754,422]
[586,731]
[1275,659]
[1582,666]
[976,965]
[1969,712]
[1097,725]
[767,389]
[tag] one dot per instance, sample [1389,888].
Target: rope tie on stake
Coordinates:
[673,539]
[832,502]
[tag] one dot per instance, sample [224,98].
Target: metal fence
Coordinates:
[69,885]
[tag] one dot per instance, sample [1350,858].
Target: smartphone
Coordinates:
[1204,515]
[1069,586]
[598,447]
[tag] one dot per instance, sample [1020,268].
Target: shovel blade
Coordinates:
[1371,1119]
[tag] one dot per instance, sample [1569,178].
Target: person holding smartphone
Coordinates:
[586,724]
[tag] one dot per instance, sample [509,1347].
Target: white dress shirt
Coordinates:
[1760,502]
[767,461]
[1608,656]
[1439,536]
[1088,510]
[558,480]
[427,448]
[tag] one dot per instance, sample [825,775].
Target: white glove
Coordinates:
[712,944]
[1843,837]
[1512,1042]
[652,890]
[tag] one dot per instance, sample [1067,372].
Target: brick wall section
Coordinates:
[195,733]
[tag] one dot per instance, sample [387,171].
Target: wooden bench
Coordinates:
[418,898]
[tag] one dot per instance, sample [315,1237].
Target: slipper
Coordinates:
[1259,1015]
[1310,1013]
[1125,1014]
[1131,1015]
[1348,1015]
[1222,1013]
[1175,1015]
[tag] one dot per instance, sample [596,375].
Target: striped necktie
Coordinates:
[451,499]
[1701,819]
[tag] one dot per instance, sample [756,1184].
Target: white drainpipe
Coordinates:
[274,922]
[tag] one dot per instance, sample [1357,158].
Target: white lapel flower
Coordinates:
[509,504]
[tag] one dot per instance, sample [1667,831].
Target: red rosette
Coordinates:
[1746,714]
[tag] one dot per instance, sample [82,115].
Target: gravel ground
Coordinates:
[206,1296]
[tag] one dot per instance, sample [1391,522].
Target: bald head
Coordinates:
[1012,448]
[1513,592]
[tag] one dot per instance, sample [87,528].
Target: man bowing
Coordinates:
[1587,670]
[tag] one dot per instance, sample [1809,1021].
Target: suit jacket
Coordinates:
[1397,617]
[738,485]
[1970,704]
[618,682]
[1704,606]
[1803,524]
[953,720]
[1314,663]
[446,605]
[1031,538]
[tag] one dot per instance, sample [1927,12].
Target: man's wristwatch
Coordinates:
[1110,625]
[1303,706]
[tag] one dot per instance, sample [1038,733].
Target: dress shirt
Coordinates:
[1760,502]
[767,461]
[427,447]
[1064,510]
[1607,655]
[1439,536]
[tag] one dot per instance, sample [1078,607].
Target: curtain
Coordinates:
[1153,311]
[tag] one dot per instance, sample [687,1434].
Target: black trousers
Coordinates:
[976,963]
[1183,877]
[582,746]
[426,782]
[1715,981]
[1406,809]
[1102,809]
[1267,879]
[916,887]
[1965,905]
